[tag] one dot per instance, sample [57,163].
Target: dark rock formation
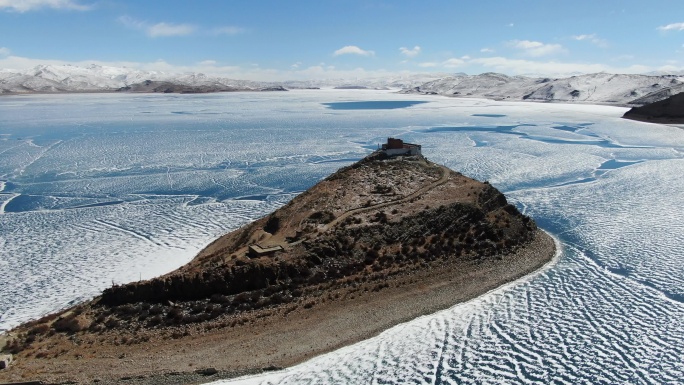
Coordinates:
[152,86]
[275,88]
[668,111]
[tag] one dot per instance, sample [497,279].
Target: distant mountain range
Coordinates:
[96,78]
[599,88]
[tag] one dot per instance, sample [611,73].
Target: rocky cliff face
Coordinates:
[668,111]
[365,223]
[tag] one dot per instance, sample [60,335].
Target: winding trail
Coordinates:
[422,190]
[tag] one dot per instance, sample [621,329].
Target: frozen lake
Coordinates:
[102,189]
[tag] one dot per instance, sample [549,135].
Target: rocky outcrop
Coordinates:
[668,111]
[377,243]
[152,86]
[458,219]
[5,361]
[274,88]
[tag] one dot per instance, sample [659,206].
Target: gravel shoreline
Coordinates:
[286,339]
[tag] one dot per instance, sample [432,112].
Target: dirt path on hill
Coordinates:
[443,179]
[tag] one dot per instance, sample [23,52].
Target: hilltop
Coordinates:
[379,242]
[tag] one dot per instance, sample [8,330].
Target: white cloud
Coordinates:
[623,58]
[449,63]
[4,51]
[584,37]
[353,50]
[246,72]
[550,68]
[486,50]
[32,5]
[536,48]
[453,62]
[593,39]
[672,27]
[410,52]
[504,65]
[533,67]
[131,22]
[428,64]
[669,68]
[169,29]
[227,30]
[158,29]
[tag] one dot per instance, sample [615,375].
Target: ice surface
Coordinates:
[103,189]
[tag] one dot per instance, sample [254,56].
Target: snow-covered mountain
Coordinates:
[488,85]
[97,78]
[604,88]
[67,78]
[592,88]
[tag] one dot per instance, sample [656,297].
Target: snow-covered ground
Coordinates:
[98,189]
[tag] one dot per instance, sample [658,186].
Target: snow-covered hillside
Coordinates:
[97,78]
[67,78]
[488,85]
[604,88]
[592,88]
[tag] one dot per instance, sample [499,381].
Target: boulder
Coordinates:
[5,361]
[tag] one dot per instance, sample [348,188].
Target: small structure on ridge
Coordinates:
[256,251]
[396,147]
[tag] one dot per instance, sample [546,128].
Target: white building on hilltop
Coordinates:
[395,147]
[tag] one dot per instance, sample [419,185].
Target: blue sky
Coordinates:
[302,39]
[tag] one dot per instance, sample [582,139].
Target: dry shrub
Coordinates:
[39,329]
[71,324]
[154,321]
[112,323]
[175,313]
[156,310]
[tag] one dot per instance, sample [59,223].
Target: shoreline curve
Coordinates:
[505,286]
[284,340]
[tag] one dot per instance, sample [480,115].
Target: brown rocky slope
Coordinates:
[376,243]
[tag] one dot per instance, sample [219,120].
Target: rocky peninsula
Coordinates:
[380,242]
[667,111]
